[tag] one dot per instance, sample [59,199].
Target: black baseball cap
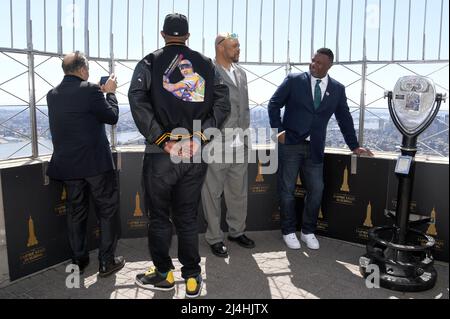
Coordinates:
[176,25]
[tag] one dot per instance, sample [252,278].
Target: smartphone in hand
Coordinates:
[103,80]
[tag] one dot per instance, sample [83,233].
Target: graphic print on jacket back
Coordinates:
[189,89]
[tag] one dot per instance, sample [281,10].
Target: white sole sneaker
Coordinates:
[291,241]
[151,287]
[311,243]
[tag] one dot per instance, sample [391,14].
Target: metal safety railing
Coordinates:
[368,37]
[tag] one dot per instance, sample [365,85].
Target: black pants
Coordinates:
[104,191]
[175,188]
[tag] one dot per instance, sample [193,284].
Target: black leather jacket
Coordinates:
[159,106]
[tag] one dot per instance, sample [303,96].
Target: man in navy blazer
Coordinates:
[82,159]
[310,99]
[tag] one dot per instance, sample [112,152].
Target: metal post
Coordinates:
[128,26]
[246,29]
[59,27]
[325,27]
[203,28]
[393,29]
[260,30]
[351,34]
[440,30]
[288,34]
[424,29]
[405,187]
[45,25]
[11,22]
[288,68]
[313,18]
[338,20]
[273,31]
[142,29]
[86,28]
[73,25]
[232,16]
[362,103]
[301,32]
[157,26]
[188,15]
[217,16]
[98,28]
[409,30]
[112,70]
[31,85]
[379,29]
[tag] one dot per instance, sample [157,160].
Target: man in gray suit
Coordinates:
[225,176]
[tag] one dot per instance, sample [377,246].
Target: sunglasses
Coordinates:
[229,36]
[185,66]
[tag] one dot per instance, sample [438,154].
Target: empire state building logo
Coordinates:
[64,194]
[344,186]
[432,228]
[259,177]
[32,240]
[299,181]
[137,209]
[368,220]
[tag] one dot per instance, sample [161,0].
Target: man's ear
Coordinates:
[163,34]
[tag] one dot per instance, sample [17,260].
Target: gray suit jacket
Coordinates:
[240,113]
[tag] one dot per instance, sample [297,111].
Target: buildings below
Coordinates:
[380,134]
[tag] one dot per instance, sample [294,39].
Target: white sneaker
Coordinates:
[310,240]
[291,241]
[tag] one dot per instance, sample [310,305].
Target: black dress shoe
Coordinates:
[219,250]
[243,241]
[108,268]
[82,263]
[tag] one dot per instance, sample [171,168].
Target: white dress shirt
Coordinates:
[323,86]
[231,73]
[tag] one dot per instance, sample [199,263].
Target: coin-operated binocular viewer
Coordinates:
[402,254]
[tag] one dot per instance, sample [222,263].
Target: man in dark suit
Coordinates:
[82,159]
[310,99]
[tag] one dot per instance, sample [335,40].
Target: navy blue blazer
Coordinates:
[77,112]
[301,120]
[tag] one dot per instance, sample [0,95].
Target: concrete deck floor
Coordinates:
[269,271]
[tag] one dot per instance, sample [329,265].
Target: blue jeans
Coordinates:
[292,160]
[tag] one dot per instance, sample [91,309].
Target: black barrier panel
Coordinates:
[354,203]
[263,205]
[429,199]
[35,216]
[35,221]
[132,201]
[35,232]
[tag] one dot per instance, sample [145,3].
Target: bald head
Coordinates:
[224,36]
[75,63]
[227,49]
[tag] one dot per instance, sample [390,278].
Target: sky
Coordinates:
[284,32]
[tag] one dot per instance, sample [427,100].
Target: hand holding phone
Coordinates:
[103,80]
[108,84]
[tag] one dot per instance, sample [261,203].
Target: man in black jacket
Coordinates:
[170,89]
[82,159]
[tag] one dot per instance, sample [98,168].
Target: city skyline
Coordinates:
[372,42]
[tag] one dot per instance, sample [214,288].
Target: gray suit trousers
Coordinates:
[232,181]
